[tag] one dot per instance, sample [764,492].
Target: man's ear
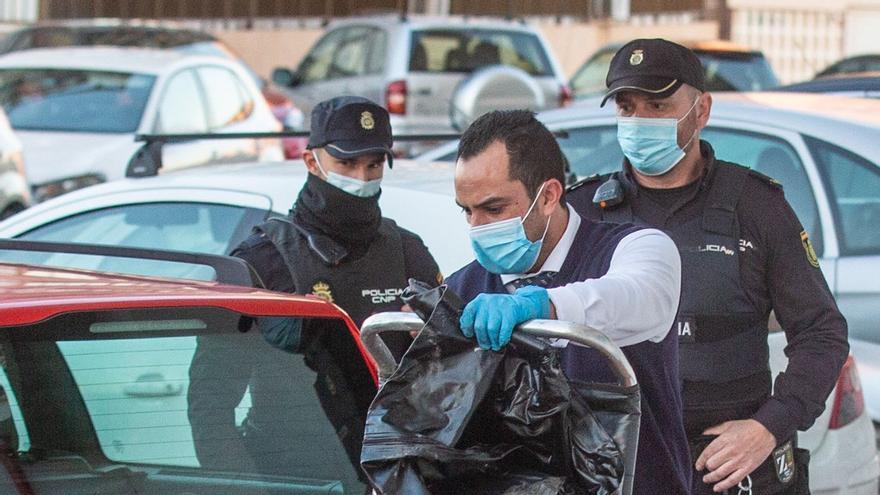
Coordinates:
[551,196]
[309,159]
[704,107]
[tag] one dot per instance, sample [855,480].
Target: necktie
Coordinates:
[541,279]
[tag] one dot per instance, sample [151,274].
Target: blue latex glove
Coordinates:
[492,317]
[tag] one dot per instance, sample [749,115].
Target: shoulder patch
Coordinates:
[765,179]
[582,182]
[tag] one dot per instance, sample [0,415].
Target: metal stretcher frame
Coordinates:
[573,332]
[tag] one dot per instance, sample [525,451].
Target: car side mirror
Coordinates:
[285,77]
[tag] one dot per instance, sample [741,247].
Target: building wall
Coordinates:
[801,38]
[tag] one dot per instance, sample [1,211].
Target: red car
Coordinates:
[129,384]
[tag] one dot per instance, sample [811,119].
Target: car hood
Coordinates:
[51,156]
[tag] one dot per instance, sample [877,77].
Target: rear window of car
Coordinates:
[95,398]
[736,71]
[74,100]
[464,50]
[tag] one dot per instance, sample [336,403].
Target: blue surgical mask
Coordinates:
[355,187]
[650,144]
[503,247]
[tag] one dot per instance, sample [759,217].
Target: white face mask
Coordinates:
[355,187]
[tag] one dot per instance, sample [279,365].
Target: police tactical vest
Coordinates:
[370,284]
[724,355]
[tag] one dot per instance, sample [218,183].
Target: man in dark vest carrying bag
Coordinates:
[744,253]
[334,244]
[538,259]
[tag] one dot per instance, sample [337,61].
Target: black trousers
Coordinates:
[775,476]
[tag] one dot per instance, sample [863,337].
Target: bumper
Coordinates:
[846,462]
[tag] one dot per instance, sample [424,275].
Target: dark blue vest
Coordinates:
[663,460]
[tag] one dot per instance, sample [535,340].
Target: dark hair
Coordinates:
[534,154]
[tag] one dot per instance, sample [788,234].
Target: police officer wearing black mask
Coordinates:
[334,244]
[744,253]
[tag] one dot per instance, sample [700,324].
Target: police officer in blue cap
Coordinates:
[334,244]
[536,257]
[744,253]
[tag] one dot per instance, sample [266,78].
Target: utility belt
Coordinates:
[784,472]
[721,349]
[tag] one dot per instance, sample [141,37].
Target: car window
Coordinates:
[74,100]
[855,188]
[592,150]
[352,54]
[734,71]
[775,158]
[224,97]
[378,50]
[192,227]
[13,430]
[590,78]
[316,64]
[464,50]
[199,391]
[182,108]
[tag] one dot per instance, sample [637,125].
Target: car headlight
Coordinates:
[48,190]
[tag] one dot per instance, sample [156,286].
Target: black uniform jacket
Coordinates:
[779,272]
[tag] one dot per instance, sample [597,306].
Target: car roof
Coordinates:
[853,120]
[844,81]
[273,179]
[102,58]
[112,22]
[436,22]
[805,112]
[703,46]
[30,294]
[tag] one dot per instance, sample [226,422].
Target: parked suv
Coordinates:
[412,66]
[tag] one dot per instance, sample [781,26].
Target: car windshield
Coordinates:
[590,78]
[464,50]
[735,71]
[74,100]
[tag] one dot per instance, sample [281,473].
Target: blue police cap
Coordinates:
[653,66]
[350,126]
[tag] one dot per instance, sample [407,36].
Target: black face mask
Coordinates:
[349,220]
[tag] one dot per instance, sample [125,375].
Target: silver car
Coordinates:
[412,66]
[77,110]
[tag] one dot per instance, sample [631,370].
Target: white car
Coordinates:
[212,209]
[77,110]
[822,149]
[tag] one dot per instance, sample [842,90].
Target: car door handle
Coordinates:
[423,91]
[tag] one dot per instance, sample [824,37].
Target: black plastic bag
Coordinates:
[456,419]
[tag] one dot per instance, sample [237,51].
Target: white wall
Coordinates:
[18,10]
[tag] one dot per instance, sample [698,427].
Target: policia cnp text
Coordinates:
[334,244]
[744,253]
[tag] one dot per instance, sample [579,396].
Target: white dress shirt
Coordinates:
[635,301]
